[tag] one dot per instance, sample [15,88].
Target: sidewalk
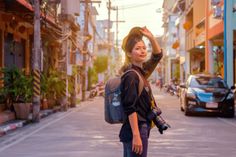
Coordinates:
[9,123]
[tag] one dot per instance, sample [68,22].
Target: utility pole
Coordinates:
[63,66]
[36,62]
[108,38]
[117,21]
[108,28]
[117,26]
[85,45]
[117,31]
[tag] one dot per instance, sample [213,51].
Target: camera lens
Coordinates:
[160,123]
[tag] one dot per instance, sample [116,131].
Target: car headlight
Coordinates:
[191,94]
[230,96]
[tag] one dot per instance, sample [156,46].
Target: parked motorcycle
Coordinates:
[172,88]
[101,89]
[93,92]
[97,90]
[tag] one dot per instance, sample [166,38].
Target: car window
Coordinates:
[214,82]
[188,82]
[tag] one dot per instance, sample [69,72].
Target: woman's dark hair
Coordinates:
[128,44]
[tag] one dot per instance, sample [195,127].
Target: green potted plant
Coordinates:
[2,101]
[44,90]
[71,91]
[17,91]
[55,87]
[72,87]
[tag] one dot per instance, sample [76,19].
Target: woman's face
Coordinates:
[139,52]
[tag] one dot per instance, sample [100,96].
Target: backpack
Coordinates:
[113,110]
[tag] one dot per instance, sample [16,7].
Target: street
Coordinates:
[53,51]
[82,132]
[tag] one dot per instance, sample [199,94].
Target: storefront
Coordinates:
[217,53]
[197,60]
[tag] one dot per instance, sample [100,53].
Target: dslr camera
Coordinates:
[154,115]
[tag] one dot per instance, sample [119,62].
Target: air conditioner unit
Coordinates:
[217,12]
[71,7]
[215,2]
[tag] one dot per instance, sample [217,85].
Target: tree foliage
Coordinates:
[101,64]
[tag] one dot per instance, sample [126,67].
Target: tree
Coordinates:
[101,64]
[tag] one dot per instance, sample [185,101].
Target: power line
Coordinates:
[130,6]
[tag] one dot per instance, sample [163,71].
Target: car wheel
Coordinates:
[186,109]
[180,102]
[230,113]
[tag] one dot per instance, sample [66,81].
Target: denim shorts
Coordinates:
[144,130]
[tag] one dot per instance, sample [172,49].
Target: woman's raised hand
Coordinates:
[146,32]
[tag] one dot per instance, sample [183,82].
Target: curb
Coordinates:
[15,124]
[6,116]
[11,125]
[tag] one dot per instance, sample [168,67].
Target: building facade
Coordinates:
[207,27]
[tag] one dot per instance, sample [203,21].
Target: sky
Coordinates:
[134,13]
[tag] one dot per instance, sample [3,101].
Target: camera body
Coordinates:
[154,115]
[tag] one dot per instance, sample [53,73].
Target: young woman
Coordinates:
[135,130]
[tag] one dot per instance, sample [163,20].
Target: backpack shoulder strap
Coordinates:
[141,83]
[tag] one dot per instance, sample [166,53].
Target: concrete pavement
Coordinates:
[9,123]
[66,134]
[82,132]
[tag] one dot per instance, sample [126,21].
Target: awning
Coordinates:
[27,5]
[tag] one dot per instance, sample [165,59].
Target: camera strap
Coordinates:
[148,89]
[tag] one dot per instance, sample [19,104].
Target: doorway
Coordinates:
[14,52]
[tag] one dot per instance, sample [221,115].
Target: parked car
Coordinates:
[206,93]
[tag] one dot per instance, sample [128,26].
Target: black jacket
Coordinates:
[129,95]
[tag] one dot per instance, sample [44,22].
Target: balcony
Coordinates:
[188,4]
[189,40]
[48,10]
[200,38]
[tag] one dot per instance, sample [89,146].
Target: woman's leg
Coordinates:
[127,146]
[144,131]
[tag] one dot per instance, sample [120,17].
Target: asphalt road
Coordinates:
[82,132]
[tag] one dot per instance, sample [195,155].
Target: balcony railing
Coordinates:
[188,3]
[189,39]
[200,38]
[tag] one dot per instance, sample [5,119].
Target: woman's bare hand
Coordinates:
[146,32]
[137,146]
